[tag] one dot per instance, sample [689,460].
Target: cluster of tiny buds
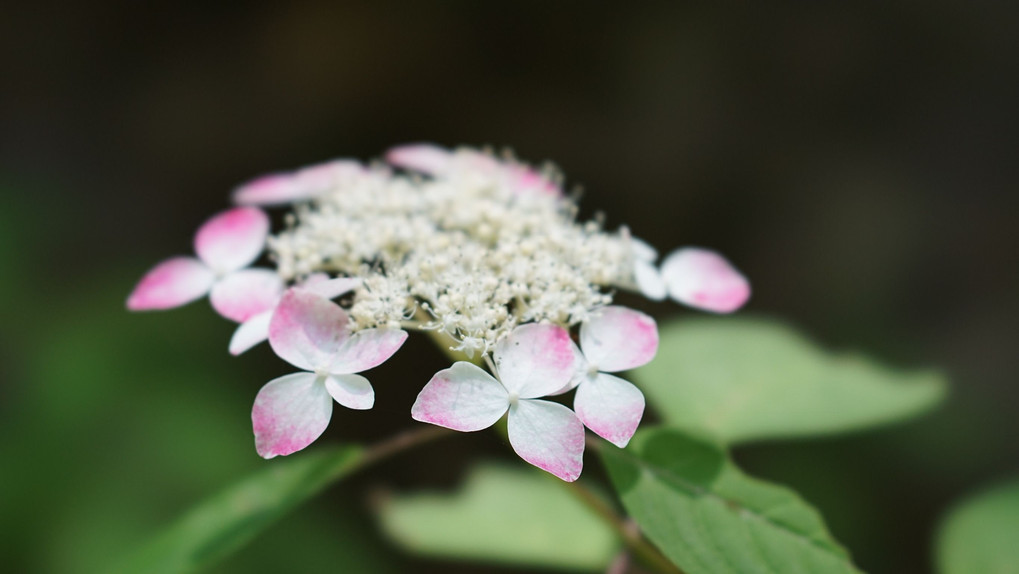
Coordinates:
[483,251]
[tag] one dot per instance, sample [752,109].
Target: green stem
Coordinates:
[630,536]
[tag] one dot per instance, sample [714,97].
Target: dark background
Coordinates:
[857,162]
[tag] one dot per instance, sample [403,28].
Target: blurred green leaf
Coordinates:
[504,515]
[709,517]
[981,536]
[742,379]
[223,524]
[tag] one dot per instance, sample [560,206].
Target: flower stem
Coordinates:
[627,531]
[398,443]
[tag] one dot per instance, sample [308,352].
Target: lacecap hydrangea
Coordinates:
[483,252]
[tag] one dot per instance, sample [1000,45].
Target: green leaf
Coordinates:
[503,515]
[741,379]
[708,517]
[233,517]
[981,536]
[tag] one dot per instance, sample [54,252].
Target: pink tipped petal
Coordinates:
[323,286]
[232,239]
[617,339]
[463,397]
[243,294]
[272,189]
[316,179]
[307,330]
[649,280]
[351,391]
[535,360]
[425,158]
[705,280]
[171,283]
[549,436]
[250,333]
[609,406]
[289,414]
[367,349]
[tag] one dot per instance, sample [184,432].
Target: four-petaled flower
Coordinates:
[226,244]
[310,332]
[533,361]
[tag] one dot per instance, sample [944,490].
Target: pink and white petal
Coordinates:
[271,189]
[232,239]
[463,397]
[649,280]
[170,284]
[317,179]
[290,413]
[243,294]
[549,436]
[617,338]
[535,360]
[351,391]
[581,369]
[705,280]
[322,285]
[422,157]
[609,406]
[367,349]
[307,330]
[250,333]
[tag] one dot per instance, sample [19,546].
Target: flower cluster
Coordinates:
[482,251]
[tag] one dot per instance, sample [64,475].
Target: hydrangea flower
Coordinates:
[484,252]
[310,332]
[533,361]
[226,244]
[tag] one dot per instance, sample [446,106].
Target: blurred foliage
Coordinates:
[710,518]
[981,534]
[225,523]
[741,379]
[502,514]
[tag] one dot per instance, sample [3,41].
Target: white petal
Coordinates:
[243,294]
[351,391]
[649,280]
[425,158]
[289,414]
[549,436]
[250,333]
[535,360]
[463,397]
[642,250]
[171,283]
[609,406]
[366,349]
[307,330]
[232,239]
[323,286]
[704,279]
[617,339]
